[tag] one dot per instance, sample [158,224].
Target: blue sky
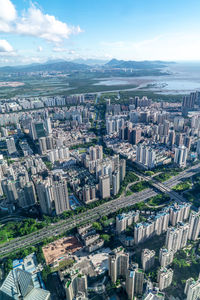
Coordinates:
[124,29]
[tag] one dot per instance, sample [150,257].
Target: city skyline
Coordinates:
[35,32]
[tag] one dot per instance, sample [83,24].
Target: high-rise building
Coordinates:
[123,133]
[39,129]
[10,143]
[154,295]
[49,142]
[116,182]
[151,158]
[166,127]
[180,157]
[60,196]
[96,152]
[130,280]
[192,289]
[179,213]
[104,186]
[171,137]
[198,147]
[139,281]
[161,222]
[45,196]
[75,285]
[122,168]
[10,190]
[188,103]
[176,238]
[166,257]
[125,220]
[29,194]
[165,277]
[179,139]
[135,136]
[118,263]
[42,144]
[178,123]
[194,222]
[187,142]
[47,125]
[32,131]
[148,259]
[145,156]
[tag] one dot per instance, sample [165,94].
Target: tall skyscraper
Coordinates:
[116,182]
[166,127]
[10,143]
[29,194]
[164,278]
[43,145]
[192,289]
[118,263]
[125,220]
[179,213]
[171,137]
[180,157]
[45,196]
[187,142]
[60,193]
[47,125]
[178,123]
[194,222]
[10,190]
[176,238]
[104,186]
[179,139]
[76,284]
[130,281]
[122,168]
[147,258]
[198,147]
[135,136]
[166,257]
[145,156]
[96,152]
[139,281]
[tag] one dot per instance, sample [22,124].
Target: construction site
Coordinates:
[61,249]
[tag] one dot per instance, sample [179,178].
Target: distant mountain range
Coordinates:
[131,64]
[84,65]
[90,62]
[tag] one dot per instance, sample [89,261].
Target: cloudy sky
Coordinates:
[130,29]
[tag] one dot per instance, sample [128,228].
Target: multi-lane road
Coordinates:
[97,212]
[89,216]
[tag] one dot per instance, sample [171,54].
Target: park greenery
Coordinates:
[167,174]
[140,186]
[159,199]
[17,229]
[193,194]
[185,265]
[183,186]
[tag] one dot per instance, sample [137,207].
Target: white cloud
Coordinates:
[33,22]
[7,15]
[59,49]
[39,49]
[63,50]
[7,12]
[171,46]
[5,46]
